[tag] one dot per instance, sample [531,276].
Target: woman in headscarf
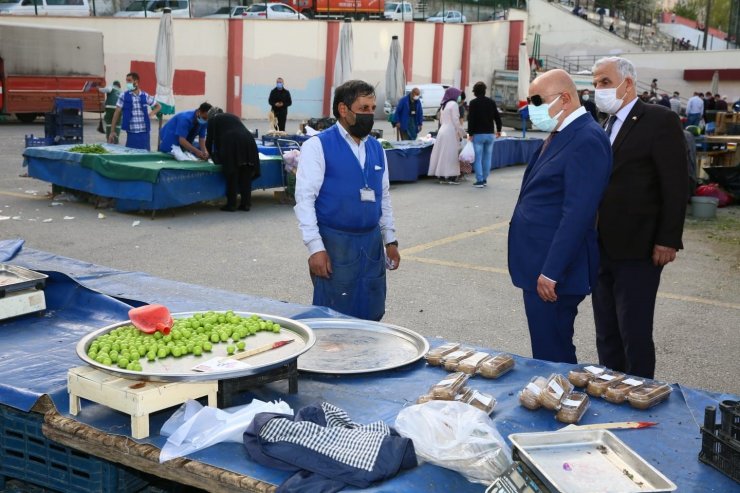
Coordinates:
[444,162]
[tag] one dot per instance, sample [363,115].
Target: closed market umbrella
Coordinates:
[523,83]
[343,61]
[395,78]
[715,82]
[164,65]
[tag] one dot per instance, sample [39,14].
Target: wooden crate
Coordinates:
[137,398]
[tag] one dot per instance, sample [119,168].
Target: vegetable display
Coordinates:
[89,149]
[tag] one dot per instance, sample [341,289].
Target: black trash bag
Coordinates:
[726,177]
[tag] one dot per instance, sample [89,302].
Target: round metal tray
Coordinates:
[345,346]
[180,369]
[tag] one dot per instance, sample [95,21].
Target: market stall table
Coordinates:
[140,180]
[78,303]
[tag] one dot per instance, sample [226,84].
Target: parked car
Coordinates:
[154,8]
[79,8]
[227,13]
[447,16]
[398,11]
[273,11]
[431,98]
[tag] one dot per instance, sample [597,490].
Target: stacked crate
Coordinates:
[64,124]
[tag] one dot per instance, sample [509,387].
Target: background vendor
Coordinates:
[132,109]
[182,130]
[409,115]
[112,92]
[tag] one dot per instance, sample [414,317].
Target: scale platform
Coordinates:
[21,291]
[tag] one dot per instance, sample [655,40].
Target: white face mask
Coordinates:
[606,99]
[585,97]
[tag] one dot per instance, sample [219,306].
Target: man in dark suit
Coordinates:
[640,219]
[553,253]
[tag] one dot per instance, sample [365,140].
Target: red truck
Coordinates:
[38,64]
[359,9]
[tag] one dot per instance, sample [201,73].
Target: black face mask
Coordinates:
[363,124]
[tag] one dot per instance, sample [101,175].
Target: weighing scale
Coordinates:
[21,291]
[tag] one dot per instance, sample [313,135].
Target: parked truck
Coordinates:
[38,64]
[358,9]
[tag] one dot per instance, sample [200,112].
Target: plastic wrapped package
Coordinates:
[448,388]
[529,396]
[580,377]
[424,398]
[456,436]
[649,395]
[496,366]
[484,402]
[452,360]
[572,408]
[617,393]
[434,356]
[556,388]
[598,385]
[470,364]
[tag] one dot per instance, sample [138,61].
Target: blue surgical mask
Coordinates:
[279,85]
[202,121]
[130,86]
[540,116]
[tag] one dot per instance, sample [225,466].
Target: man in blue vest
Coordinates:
[344,209]
[182,130]
[134,106]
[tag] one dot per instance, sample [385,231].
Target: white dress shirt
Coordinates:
[621,117]
[309,180]
[570,118]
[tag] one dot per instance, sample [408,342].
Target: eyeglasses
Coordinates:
[538,100]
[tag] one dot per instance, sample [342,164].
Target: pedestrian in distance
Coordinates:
[640,220]
[484,125]
[344,208]
[133,107]
[233,147]
[444,162]
[675,103]
[112,93]
[409,115]
[279,101]
[552,247]
[694,109]
[589,104]
[183,128]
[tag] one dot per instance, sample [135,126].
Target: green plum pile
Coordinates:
[126,347]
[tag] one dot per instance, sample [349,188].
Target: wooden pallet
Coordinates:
[137,398]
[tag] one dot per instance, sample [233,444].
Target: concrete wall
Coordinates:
[564,34]
[490,44]
[423,52]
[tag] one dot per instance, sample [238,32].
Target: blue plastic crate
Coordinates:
[26,454]
[61,104]
[32,141]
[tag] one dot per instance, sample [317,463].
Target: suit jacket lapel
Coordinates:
[629,123]
[556,145]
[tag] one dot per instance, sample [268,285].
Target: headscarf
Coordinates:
[451,94]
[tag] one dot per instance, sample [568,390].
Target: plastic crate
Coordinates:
[61,104]
[719,453]
[32,141]
[730,415]
[27,455]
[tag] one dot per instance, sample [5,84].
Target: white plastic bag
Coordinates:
[456,436]
[467,155]
[194,427]
[181,155]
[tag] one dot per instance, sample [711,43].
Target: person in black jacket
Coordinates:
[233,147]
[279,101]
[587,103]
[482,113]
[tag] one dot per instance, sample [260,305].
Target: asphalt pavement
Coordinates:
[452,281]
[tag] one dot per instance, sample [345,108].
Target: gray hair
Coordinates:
[215,110]
[625,68]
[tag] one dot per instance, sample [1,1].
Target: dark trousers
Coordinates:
[551,326]
[281,117]
[624,305]
[238,181]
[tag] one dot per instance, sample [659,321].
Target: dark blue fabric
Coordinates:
[338,204]
[551,326]
[139,140]
[357,285]
[127,112]
[396,454]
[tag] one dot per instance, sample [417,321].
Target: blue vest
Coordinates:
[128,100]
[338,205]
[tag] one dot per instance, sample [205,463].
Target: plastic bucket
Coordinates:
[704,207]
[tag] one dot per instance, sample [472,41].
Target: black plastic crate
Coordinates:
[720,453]
[27,455]
[730,424]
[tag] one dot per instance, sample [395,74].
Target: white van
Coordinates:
[398,11]
[431,98]
[79,8]
[154,8]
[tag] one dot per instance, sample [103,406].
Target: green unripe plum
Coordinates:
[230,349]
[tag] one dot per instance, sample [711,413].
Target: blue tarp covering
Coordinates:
[82,297]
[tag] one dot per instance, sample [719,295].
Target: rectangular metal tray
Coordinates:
[587,461]
[14,278]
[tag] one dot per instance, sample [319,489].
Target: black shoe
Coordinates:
[244,207]
[228,208]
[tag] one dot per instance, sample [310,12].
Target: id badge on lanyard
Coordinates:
[367,194]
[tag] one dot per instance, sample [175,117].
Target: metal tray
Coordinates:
[179,369]
[14,278]
[587,461]
[348,345]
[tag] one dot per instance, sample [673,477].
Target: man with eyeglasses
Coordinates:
[640,219]
[553,253]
